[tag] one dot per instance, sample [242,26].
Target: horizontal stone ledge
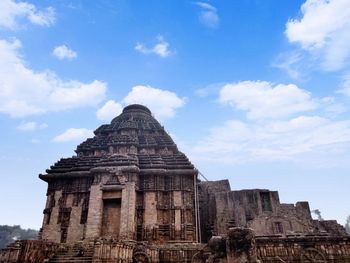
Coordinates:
[115,169]
[168,172]
[296,239]
[74,174]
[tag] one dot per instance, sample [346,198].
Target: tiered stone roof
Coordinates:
[134,137]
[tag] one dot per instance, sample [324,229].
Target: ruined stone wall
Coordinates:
[28,251]
[240,245]
[329,226]
[304,249]
[66,209]
[238,208]
[207,205]
[259,209]
[285,219]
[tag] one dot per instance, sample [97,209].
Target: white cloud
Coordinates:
[31,126]
[161,48]
[109,110]
[323,30]
[74,134]
[282,122]
[208,15]
[345,86]
[264,100]
[208,90]
[24,91]
[163,103]
[238,141]
[63,52]
[35,141]
[11,11]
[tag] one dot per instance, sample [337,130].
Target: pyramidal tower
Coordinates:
[128,182]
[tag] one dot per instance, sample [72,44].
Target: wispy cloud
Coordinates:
[208,15]
[63,52]
[31,126]
[73,134]
[161,48]
[11,11]
[345,85]
[239,141]
[291,63]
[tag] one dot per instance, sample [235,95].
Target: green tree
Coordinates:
[9,234]
[347,225]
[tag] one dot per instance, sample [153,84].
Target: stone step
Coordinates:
[70,255]
[70,259]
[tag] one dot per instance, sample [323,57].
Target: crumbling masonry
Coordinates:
[129,195]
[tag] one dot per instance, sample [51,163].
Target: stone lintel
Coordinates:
[112,187]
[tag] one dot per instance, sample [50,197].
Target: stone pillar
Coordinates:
[240,245]
[94,220]
[128,208]
[177,197]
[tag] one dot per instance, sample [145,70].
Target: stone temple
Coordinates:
[129,195]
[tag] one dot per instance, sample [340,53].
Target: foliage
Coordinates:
[347,225]
[9,234]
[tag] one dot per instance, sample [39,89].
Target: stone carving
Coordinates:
[217,245]
[241,245]
[312,255]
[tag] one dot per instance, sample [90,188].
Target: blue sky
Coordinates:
[253,91]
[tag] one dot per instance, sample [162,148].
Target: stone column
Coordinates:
[128,208]
[240,245]
[177,197]
[94,220]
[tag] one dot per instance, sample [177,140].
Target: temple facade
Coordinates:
[129,195]
[128,182]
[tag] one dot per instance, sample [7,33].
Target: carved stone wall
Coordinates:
[132,157]
[304,249]
[259,209]
[242,246]
[28,251]
[66,209]
[166,209]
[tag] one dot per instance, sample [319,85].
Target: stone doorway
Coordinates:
[111,217]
